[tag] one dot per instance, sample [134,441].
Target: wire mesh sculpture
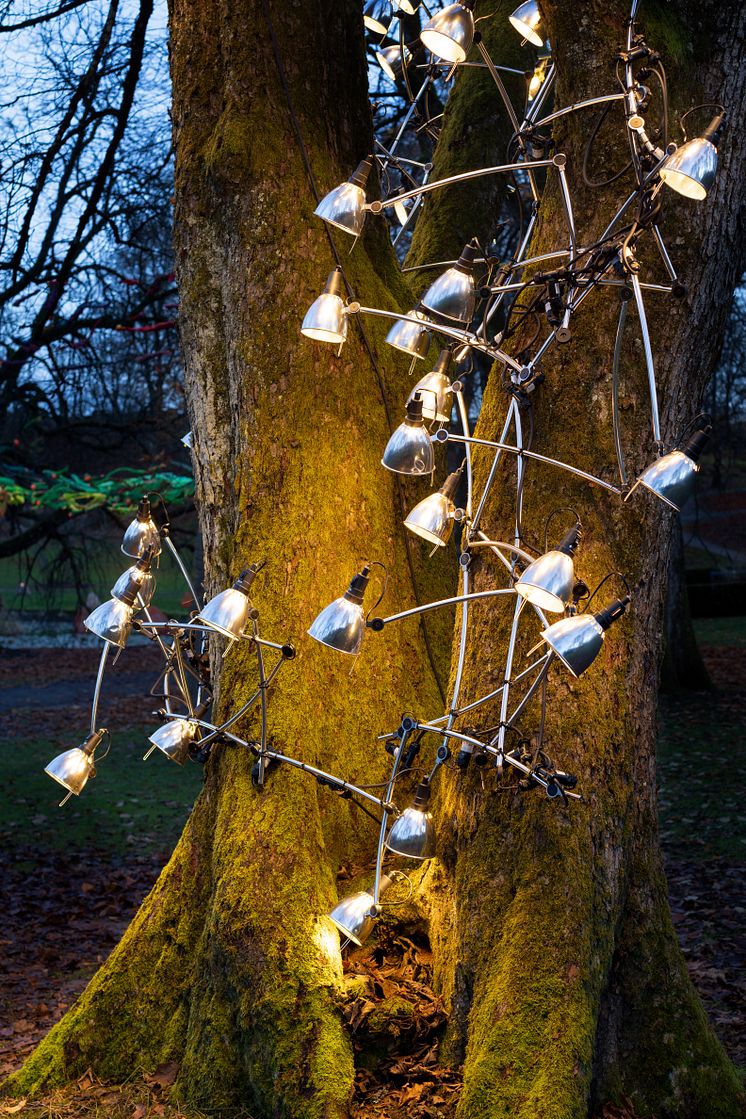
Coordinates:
[462,312]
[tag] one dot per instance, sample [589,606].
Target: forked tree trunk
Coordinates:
[553,943]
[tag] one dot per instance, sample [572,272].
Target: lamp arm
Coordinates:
[99,681]
[463,336]
[465,176]
[443,436]
[377,624]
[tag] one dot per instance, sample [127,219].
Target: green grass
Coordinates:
[106,565]
[129,806]
[721,631]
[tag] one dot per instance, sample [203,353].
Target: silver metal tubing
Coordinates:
[463,336]
[493,469]
[505,698]
[173,550]
[183,685]
[439,264]
[664,253]
[451,734]
[664,288]
[527,771]
[413,211]
[472,66]
[442,602]
[485,542]
[519,476]
[517,263]
[246,706]
[500,86]
[533,455]
[538,259]
[615,392]
[312,769]
[489,695]
[408,117]
[567,204]
[461,647]
[385,819]
[465,176]
[150,624]
[99,681]
[603,99]
[531,691]
[463,416]
[648,357]
[263,704]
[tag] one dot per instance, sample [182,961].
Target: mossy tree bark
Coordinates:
[551,929]
[554,948]
[226,968]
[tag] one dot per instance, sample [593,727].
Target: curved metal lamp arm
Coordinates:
[465,176]
[443,436]
[99,681]
[463,336]
[377,624]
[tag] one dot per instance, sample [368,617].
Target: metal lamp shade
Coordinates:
[112,621]
[548,582]
[435,390]
[409,450]
[227,613]
[72,769]
[340,626]
[409,336]
[432,519]
[344,208]
[576,641]
[450,33]
[671,479]
[144,580]
[453,295]
[352,916]
[691,169]
[174,738]
[372,20]
[392,61]
[325,319]
[526,20]
[412,835]
[141,535]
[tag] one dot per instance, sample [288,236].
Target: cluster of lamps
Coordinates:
[544,588]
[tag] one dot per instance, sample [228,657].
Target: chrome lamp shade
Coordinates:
[325,319]
[454,294]
[174,739]
[413,833]
[143,580]
[392,60]
[409,450]
[229,611]
[527,19]
[691,169]
[344,207]
[410,337]
[341,624]
[142,533]
[371,18]
[112,621]
[435,390]
[548,582]
[576,641]
[672,477]
[433,517]
[355,915]
[450,33]
[73,768]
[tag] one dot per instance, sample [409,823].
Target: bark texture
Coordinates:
[551,929]
[227,968]
[554,948]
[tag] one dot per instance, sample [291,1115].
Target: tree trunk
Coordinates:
[682,665]
[226,968]
[551,929]
[553,943]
